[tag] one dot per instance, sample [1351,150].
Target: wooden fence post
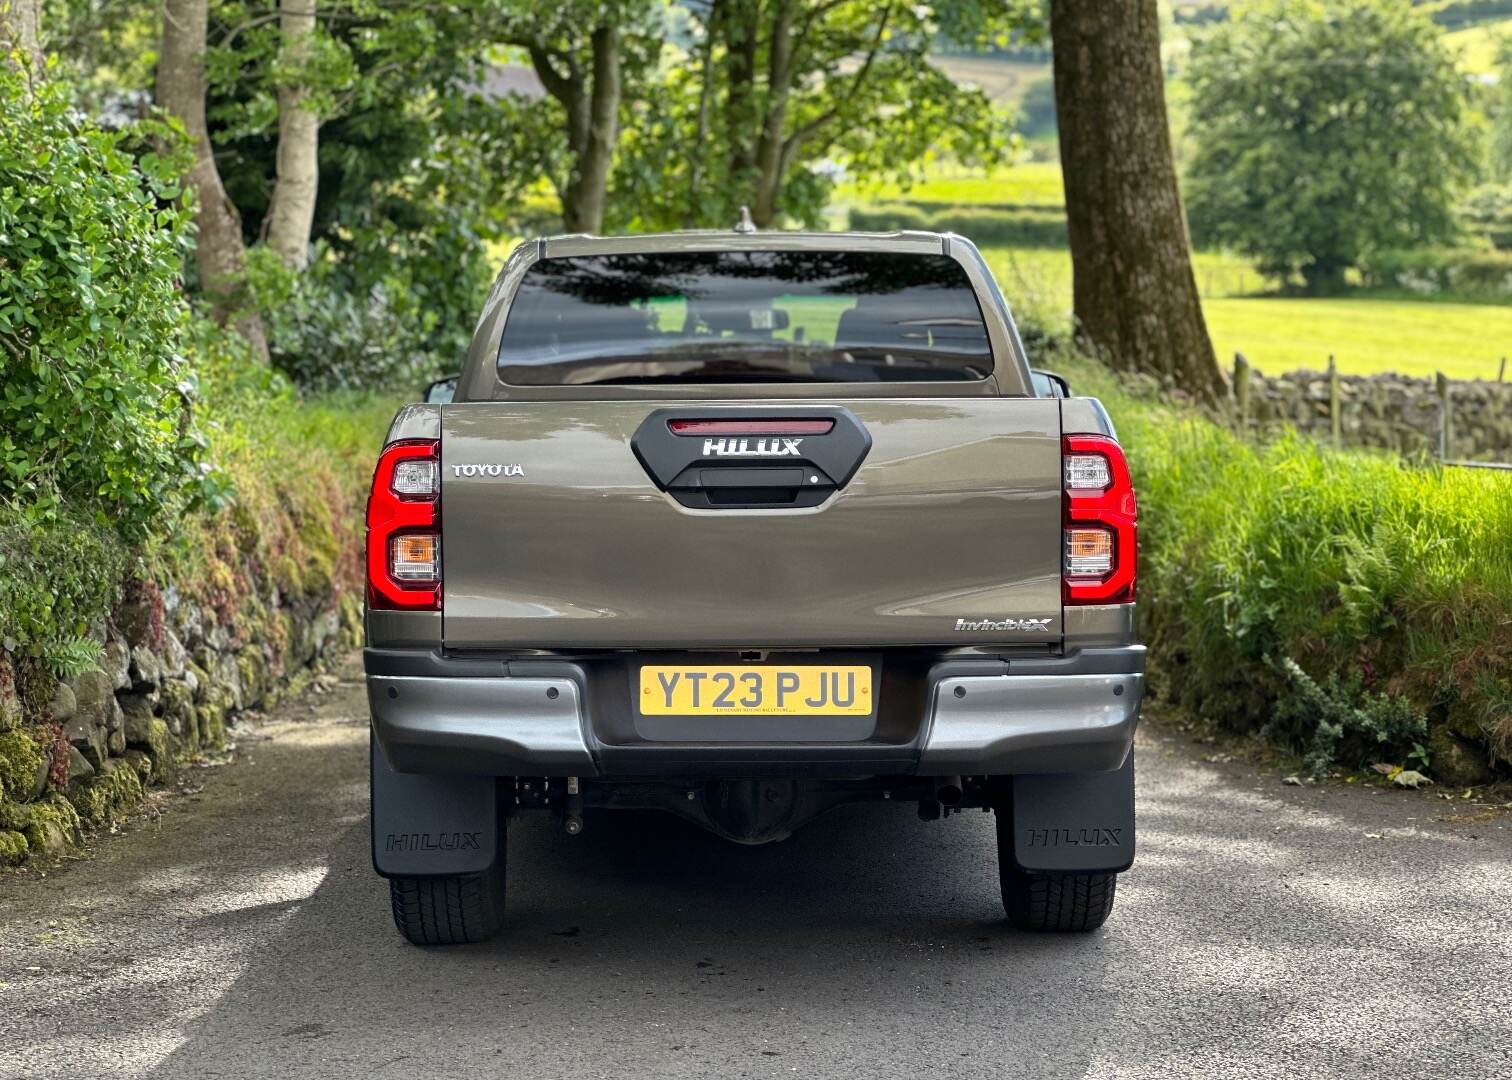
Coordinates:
[1335,406]
[1446,416]
[1242,390]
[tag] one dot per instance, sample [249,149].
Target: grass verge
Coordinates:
[1347,605]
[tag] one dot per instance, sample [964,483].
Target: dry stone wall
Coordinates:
[1388,412]
[78,752]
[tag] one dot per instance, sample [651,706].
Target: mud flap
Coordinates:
[427,826]
[1074,823]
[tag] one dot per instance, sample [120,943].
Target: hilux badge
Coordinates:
[751,447]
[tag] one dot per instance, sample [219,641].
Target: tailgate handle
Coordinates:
[735,486]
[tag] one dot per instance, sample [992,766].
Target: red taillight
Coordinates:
[1099,512]
[751,427]
[404,529]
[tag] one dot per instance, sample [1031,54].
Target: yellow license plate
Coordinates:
[756,691]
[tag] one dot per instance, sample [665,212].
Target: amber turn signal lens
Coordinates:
[1089,552]
[416,558]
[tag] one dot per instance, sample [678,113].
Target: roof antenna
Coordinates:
[745,224]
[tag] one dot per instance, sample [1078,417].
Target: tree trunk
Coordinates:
[593,137]
[21,33]
[769,157]
[1135,294]
[694,203]
[219,253]
[291,212]
[740,32]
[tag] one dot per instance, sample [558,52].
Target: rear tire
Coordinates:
[456,910]
[1063,903]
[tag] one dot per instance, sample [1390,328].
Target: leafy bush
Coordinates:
[1025,227]
[1487,212]
[1389,587]
[1345,719]
[1435,271]
[326,333]
[94,397]
[888,217]
[391,307]
[56,577]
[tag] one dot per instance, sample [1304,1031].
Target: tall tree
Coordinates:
[291,212]
[21,33]
[220,252]
[1135,296]
[1328,133]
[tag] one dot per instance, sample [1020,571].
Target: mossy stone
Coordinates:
[15,816]
[139,761]
[20,758]
[1456,760]
[319,551]
[212,727]
[107,797]
[13,848]
[286,575]
[157,741]
[200,682]
[351,619]
[252,670]
[54,825]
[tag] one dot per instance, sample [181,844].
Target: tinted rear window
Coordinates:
[744,316]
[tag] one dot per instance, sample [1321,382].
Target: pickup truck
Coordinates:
[744,526]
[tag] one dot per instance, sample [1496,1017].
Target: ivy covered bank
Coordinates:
[178,528]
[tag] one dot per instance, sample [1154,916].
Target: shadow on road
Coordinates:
[647,947]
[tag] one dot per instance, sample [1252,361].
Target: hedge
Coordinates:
[1025,228]
[1431,271]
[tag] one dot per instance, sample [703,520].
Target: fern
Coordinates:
[73,657]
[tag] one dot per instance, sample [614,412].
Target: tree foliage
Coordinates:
[417,176]
[1325,132]
[773,99]
[94,387]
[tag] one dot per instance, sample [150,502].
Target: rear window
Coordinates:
[744,316]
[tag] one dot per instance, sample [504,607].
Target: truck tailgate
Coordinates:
[557,534]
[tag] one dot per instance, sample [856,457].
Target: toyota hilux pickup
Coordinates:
[744,526]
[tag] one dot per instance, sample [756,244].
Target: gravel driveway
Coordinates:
[1264,931]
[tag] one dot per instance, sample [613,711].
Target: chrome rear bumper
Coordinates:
[1071,714]
[1000,724]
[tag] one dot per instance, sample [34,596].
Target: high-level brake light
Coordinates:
[820,426]
[1099,515]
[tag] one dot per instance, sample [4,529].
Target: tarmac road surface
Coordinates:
[1265,930]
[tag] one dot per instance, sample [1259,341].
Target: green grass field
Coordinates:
[1033,183]
[1364,333]
[1478,45]
[1279,334]
[1413,337]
